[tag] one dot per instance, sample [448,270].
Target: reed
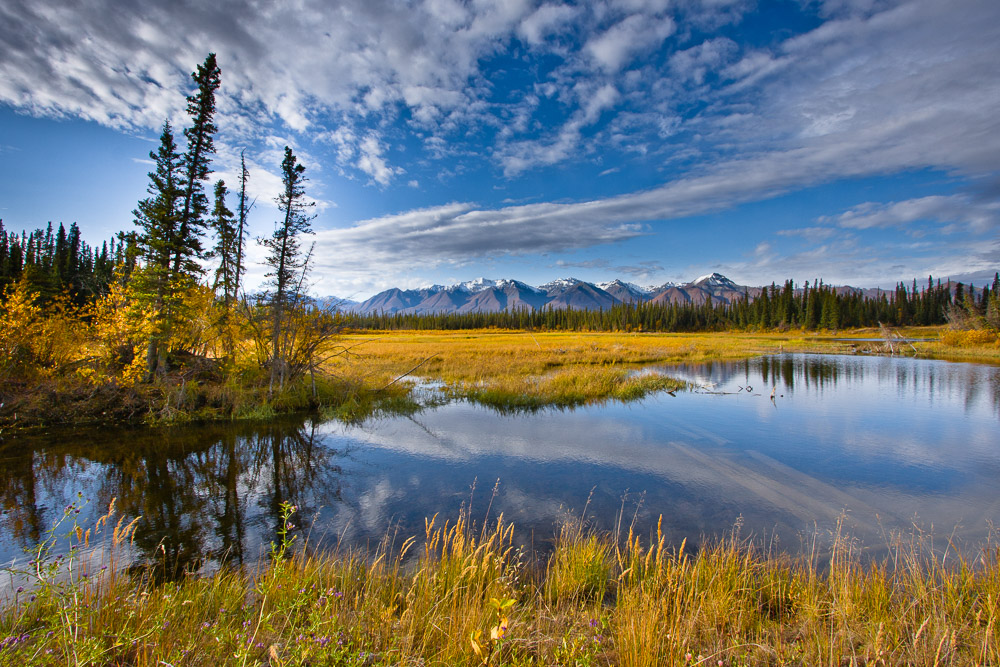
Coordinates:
[462,594]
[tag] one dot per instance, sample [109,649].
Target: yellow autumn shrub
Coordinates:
[120,333]
[970,338]
[21,325]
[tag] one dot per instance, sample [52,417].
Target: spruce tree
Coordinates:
[242,212]
[197,158]
[157,218]
[287,266]
[224,225]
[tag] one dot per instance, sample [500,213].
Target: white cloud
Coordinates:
[695,63]
[545,21]
[372,161]
[952,209]
[518,157]
[878,88]
[615,48]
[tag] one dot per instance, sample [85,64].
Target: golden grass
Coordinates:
[468,596]
[519,369]
[508,370]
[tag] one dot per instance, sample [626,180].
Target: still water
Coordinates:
[891,444]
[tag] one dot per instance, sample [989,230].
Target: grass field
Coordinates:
[509,370]
[517,369]
[466,595]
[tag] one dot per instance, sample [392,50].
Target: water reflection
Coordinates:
[207,493]
[889,441]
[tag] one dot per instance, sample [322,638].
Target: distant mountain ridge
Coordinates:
[484,295]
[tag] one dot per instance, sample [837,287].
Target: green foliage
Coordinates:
[226,240]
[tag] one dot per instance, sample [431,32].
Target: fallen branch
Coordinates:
[407,372]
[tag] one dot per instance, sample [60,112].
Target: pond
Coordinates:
[887,444]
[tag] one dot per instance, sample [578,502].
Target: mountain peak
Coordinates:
[488,295]
[477,285]
[560,284]
[715,279]
[619,286]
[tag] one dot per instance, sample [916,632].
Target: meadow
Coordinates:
[367,372]
[464,594]
[523,369]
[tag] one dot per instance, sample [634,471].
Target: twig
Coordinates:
[408,372]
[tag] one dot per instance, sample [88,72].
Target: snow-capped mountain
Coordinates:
[628,292]
[487,295]
[716,280]
[557,287]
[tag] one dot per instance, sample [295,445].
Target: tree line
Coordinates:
[172,287]
[154,302]
[58,261]
[812,307]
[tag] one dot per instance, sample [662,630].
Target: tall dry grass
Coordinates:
[467,595]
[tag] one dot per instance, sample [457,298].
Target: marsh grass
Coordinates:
[531,370]
[524,371]
[462,594]
[510,371]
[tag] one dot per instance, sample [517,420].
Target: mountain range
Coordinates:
[490,296]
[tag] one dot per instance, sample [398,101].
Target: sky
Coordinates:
[857,141]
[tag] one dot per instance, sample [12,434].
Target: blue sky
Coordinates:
[856,141]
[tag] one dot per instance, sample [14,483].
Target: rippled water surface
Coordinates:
[889,443]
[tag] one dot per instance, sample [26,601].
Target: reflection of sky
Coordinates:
[888,440]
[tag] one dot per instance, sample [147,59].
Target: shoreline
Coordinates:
[503,369]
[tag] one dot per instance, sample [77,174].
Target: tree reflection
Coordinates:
[202,493]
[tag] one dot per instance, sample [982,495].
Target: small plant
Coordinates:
[62,587]
[487,650]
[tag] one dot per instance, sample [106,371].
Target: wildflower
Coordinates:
[499,631]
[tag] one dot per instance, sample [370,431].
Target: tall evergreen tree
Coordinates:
[197,158]
[157,218]
[224,225]
[242,212]
[287,265]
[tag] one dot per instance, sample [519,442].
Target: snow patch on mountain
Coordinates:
[632,287]
[560,285]
[716,279]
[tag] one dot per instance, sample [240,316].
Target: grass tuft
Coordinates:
[466,595]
